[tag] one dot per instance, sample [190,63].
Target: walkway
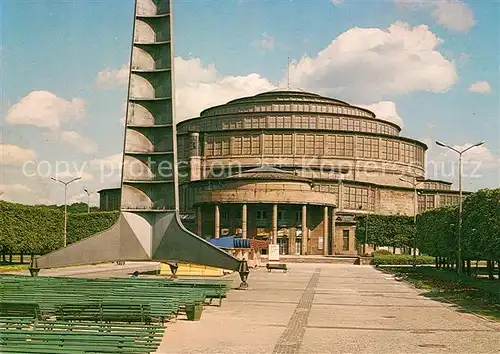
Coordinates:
[330,308]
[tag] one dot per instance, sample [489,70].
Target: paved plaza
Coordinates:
[330,308]
[319,309]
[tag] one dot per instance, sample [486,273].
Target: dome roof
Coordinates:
[270,173]
[277,95]
[281,96]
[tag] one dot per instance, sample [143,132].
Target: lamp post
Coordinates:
[414,183]
[459,240]
[88,199]
[65,203]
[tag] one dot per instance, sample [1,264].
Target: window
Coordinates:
[330,145]
[281,215]
[256,145]
[268,144]
[320,242]
[319,145]
[345,239]
[225,146]
[309,145]
[261,215]
[300,144]
[349,146]
[287,144]
[236,145]
[277,144]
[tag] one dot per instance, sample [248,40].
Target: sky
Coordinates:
[430,66]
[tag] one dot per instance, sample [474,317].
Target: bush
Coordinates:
[400,259]
[39,229]
[382,253]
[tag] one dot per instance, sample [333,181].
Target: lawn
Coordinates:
[470,294]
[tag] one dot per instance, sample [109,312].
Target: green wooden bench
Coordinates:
[105,312]
[81,337]
[19,309]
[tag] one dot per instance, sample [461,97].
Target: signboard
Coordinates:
[274,253]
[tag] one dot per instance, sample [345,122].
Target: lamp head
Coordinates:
[479,144]
[440,144]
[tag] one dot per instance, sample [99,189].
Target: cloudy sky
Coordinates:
[432,66]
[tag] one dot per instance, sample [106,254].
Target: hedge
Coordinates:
[437,229]
[400,259]
[386,230]
[40,229]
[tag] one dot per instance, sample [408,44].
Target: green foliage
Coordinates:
[40,229]
[481,225]
[386,230]
[400,259]
[74,208]
[437,229]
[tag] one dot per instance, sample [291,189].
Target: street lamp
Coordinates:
[414,183]
[65,203]
[459,253]
[88,199]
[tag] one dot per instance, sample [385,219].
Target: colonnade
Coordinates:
[328,227]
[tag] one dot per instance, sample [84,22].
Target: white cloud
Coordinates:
[385,110]
[480,166]
[20,193]
[452,14]
[111,78]
[78,142]
[46,110]
[111,162]
[199,87]
[366,64]
[65,176]
[12,192]
[480,87]
[107,169]
[337,2]
[14,155]
[266,42]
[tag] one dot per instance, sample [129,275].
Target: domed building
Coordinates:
[295,168]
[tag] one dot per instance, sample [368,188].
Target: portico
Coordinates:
[269,204]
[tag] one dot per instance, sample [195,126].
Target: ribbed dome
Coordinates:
[281,97]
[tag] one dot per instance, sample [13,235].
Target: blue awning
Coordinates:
[230,242]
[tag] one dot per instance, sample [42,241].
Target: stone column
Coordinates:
[291,238]
[217,221]
[275,223]
[325,231]
[244,221]
[304,229]
[199,221]
[333,230]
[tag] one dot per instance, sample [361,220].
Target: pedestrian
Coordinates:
[135,275]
